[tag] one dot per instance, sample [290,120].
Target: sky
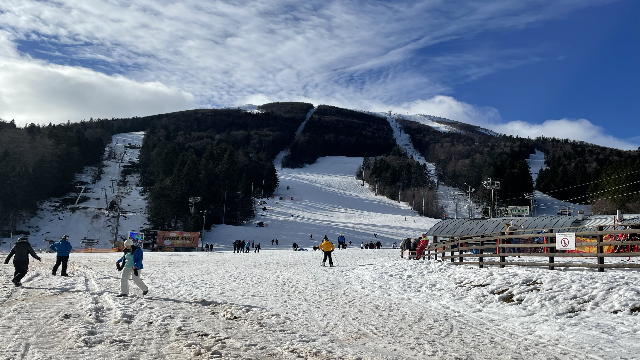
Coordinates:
[562,68]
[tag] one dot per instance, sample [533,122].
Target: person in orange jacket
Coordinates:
[327,247]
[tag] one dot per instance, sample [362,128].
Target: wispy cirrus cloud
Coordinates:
[111,58]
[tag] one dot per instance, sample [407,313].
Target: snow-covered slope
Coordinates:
[325,199]
[90,219]
[545,203]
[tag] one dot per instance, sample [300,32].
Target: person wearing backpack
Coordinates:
[131,264]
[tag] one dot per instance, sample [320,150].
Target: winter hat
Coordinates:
[23,238]
[66,237]
[128,242]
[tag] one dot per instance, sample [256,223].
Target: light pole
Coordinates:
[204,220]
[470,203]
[493,185]
[224,207]
[531,196]
[262,189]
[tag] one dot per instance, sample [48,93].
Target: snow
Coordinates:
[281,304]
[545,203]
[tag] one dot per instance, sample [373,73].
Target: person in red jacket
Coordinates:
[422,245]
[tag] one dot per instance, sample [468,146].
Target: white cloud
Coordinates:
[487,117]
[575,129]
[222,52]
[361,55]
[35,92]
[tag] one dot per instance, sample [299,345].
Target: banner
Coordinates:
[174,239]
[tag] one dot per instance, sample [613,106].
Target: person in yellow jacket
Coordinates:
[327,247]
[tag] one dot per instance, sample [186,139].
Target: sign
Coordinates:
[518,210]
[565,241]
[174,239]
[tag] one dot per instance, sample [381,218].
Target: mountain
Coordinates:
[226,157]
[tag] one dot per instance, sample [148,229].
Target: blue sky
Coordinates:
[563,68]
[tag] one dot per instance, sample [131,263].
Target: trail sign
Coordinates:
[565,241]
[518,210]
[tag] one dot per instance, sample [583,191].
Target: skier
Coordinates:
[22,249]
[295,246]
[341,242]
[247,245]
[327,247]
[257,249]
[132,263]
[63,247]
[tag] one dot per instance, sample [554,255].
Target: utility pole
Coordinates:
[469,198]
[376,194]
[262,189]
[423,196]
[493,185]
[363,176]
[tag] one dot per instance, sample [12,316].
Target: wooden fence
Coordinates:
[496,247]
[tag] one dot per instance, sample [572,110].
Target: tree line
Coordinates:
[401,178]
[220,156]
[576,171]
[332,131]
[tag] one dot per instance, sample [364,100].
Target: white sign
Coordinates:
[565,241]
[518,210]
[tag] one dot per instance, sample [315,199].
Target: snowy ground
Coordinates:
[283,305]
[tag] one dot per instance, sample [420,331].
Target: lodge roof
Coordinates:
[530,225]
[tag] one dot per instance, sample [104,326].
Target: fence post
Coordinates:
[452,252]
[435,241]
[503,259]
[600,249]
[481,258]
[552,250]
[460,250]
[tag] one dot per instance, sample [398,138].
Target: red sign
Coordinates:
[175,239]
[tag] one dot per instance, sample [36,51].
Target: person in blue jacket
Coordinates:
[131,264]
[63,247]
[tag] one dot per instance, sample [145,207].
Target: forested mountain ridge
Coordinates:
[576,171]
[220,155]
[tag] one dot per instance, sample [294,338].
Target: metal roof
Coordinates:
[469,227]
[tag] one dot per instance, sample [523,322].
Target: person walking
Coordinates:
[63,248]
[327,247]
[21,250]
[131,264]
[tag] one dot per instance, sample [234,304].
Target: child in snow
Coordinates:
[327,247]
[22,249]
[63,248]
[132,263]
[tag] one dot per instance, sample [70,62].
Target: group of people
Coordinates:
[371,245]
[242,246]
[208,247]
[130,263]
